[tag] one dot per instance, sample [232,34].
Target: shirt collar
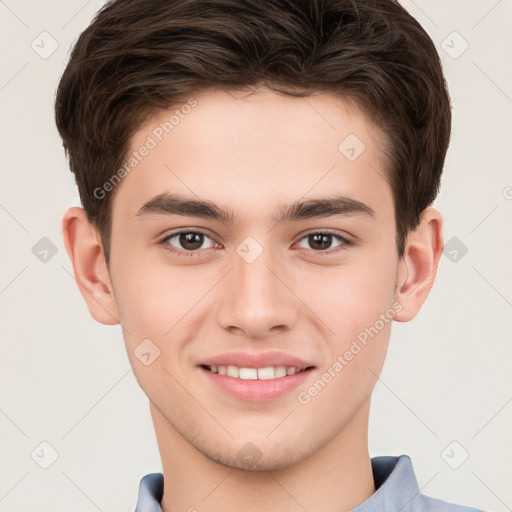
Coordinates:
[395,483]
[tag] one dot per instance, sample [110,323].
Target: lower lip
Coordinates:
[255,390]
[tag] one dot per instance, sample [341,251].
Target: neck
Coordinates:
[336,478]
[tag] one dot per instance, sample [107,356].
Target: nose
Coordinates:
[256,300]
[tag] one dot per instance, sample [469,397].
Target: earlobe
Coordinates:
[91,273]
[418,266]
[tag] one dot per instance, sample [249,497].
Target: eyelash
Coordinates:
[345,242]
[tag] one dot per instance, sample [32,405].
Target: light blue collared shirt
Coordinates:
[395,483]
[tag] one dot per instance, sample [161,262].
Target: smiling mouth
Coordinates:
[265,373]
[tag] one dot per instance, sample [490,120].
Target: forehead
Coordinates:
[242,148]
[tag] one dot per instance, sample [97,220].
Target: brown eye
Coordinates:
[320,241]
[187,242]
[323,241]
[191,241]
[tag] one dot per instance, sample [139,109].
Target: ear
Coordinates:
[418,266]
[83,246]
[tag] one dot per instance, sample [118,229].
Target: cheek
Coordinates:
[356,303]
[152,298]
[352,297]
[155,306]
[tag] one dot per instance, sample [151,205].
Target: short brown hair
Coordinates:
[140,56]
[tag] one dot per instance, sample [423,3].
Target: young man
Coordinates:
[256,180]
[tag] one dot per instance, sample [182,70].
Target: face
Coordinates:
[248,277]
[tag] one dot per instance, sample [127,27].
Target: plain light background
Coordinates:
[445,390]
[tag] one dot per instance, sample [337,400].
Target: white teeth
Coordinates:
[280,371]
[267,373]
[232,371]
[248,373]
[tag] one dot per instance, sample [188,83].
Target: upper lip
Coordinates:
[257,360]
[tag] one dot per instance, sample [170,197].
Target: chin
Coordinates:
[251,458]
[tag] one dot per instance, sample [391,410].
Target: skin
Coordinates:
[252,153]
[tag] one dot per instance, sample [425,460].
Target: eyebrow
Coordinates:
[174,204]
